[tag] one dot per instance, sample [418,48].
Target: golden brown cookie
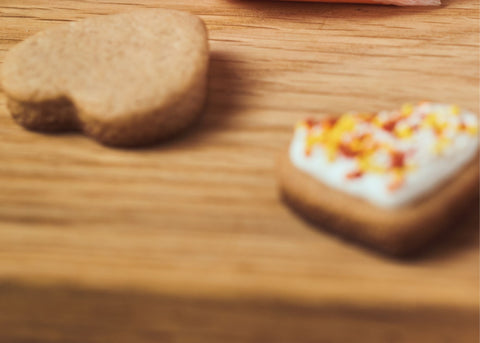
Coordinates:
[348,201]
[126,80]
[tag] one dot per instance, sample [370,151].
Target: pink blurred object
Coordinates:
[383,2]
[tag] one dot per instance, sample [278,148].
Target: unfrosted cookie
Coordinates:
[127,79]
[391,180]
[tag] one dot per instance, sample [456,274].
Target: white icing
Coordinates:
[429,168]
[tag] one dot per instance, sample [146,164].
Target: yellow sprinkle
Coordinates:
[331,151]
[441,126]
[440,145]
[398,173]
[377,122]
[331,156]
[386,146]
[346,123]
[404,132]
[314,139]
[455,110]
[366,165]
[430,120]
[473,130]
[407,109]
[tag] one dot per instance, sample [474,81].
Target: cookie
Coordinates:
[391,180]
[126,80]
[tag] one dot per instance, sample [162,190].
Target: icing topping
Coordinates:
[389,158]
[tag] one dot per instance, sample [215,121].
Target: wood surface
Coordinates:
[188,241]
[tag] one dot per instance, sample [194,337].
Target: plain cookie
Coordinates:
[126,80]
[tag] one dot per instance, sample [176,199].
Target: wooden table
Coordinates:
[188,241]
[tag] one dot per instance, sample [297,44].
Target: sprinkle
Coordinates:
[345,123]
[397,159]
[299,125]
[440,145]
[389,125]
[377,122]
[365,164]
[331,155]
[367,117]
[346,150]
[473,130]
[396,183]
[355,174]
[431,121]
[330,122]
[310,122]
[454,109]
[470,129]
[314,139]
[404,132]
[407,109]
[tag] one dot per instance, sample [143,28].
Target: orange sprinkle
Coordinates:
[396,184]
[397,159]
[330,122]
[346,150]
[368,117]
[438,130]
[355,174]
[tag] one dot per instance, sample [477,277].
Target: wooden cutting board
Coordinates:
[188,241]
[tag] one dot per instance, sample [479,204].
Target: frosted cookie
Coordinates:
[391,180]
[126,80]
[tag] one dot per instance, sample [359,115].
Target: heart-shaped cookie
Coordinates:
[390,179]
[126,80]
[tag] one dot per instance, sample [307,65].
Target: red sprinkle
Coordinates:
[390,125]
[347,151]
[355,174]
[462,126]
[310,122]
[330,122]
[397,159]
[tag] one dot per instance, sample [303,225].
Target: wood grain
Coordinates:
[188,241]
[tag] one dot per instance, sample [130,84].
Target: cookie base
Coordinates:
[400,232]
